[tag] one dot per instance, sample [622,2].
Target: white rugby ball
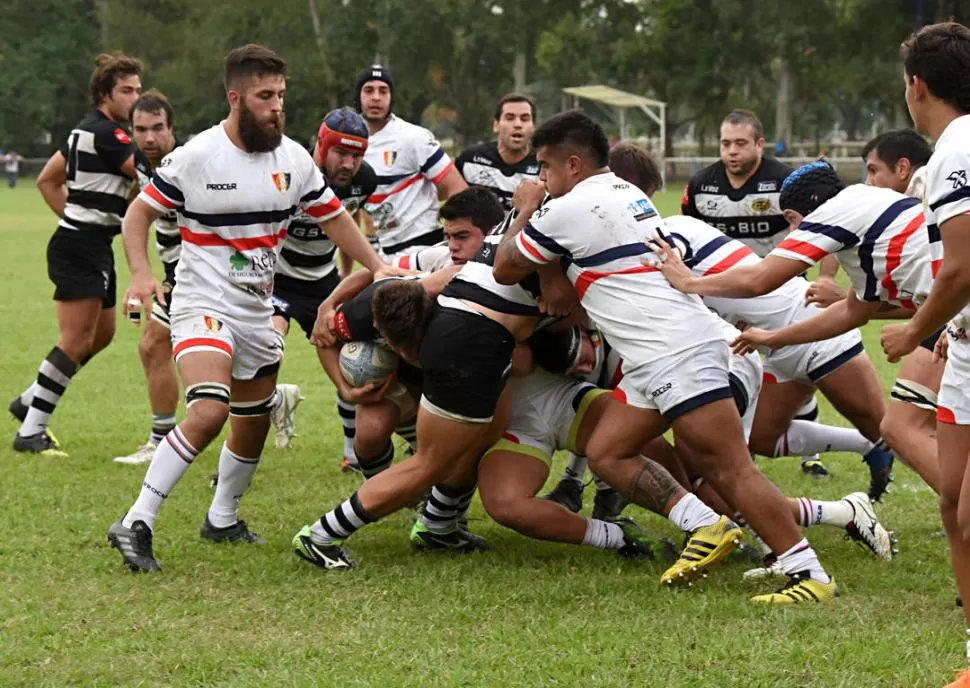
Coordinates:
[362,363]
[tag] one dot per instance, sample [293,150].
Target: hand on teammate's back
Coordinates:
[748,341]
[824,292]
[670,264]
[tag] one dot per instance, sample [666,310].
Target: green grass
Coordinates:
[523,614]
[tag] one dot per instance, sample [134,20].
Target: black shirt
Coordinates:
[481,165]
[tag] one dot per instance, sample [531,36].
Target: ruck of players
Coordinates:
[476,316]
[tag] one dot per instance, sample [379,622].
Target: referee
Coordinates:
[87,184]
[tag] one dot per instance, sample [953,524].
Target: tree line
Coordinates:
[805,67]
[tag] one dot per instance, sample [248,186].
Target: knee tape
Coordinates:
[263,407]
[208,391]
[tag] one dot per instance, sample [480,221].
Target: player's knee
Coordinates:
[505,509]
[376,423]
[207,406]
[891,430]
[154,347]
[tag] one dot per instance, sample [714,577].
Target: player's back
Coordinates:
[880,238]
[601,229]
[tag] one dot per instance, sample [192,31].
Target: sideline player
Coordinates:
[235,188]
[413,170]
[87,184]
[501,164]
[599,224]
[307,270]
[153,126]
[936,65]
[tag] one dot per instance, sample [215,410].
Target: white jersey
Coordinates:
[476,283]
[430,259]
[600,230]
[877,234]
[917,184]
[408,161]
[233,211]
[948,192]
[706,251]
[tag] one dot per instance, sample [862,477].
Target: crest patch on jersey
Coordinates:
[282,181]
[122,136]
[760,205]
[212,324]
[389,158]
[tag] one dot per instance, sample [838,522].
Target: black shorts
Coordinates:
[930,342]
[466,359]
[81,264]
[300,299]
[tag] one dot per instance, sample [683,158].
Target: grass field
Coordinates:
[524,614]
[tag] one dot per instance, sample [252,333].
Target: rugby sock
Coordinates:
[162,424]
[575,468]
[53,377]
[814,513]
[371,467]
[805,437]
[374,242]
[444,507]
[348,418]
[878,459]
[28,394]
[802,557]
[172,458]
[409,431]
[761,544]
[602,534]
[690,513]
[340,523]
[235,474]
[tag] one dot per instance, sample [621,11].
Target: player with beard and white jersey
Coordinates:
[675,361]
[413,170]
[501,164]
[153,125]
[307,271]
[235,188]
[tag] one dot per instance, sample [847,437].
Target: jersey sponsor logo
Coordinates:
[390,157]
[122,136]
[221,187]
[166,161]
[280,304]
[663,389]
[532,169]
[760,205]
[282,181]
[642,210]
[767,186]
[238,261]
[958,178]
[352,143]
[212,324]
[710,188]
[482,160]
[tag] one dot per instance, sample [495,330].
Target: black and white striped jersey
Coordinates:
[481,165]
[751,214]
[168,239]
[308,254]
[475,283]
[97,189]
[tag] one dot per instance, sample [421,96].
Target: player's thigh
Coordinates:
[622,430]
[156,341]
[714,436]
[281,324]
[777,403]
[507,475]
[77,319]
[918,380]
[856,392]
[587,419]
[954,449]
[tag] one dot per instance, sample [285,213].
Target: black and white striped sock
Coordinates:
[53,378]
[162,424]
[340,523]
[408,430]
[348,419]
[445,506]
[371,467]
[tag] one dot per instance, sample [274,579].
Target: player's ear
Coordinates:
[903,168]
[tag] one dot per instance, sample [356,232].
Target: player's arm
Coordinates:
[828,267]
[839,318]
[511,263]
[348,238]
[450,183]
[323,329]
[436,282]
[740,281]
[134,231]
[345,264]
[51,183]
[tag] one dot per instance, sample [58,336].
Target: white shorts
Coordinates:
[679,383]
[745,376]
[812,361]
[255,348]
[953,402]
[547,412]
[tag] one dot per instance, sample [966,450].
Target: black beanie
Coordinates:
[373,73]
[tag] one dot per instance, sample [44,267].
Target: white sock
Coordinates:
[602,534]
[575,468]
[235,474]
[800,558]
[805,437]
[690,513]
[172,458]
[814,513]
[28,394]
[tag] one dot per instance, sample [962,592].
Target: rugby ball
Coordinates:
[362,363]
